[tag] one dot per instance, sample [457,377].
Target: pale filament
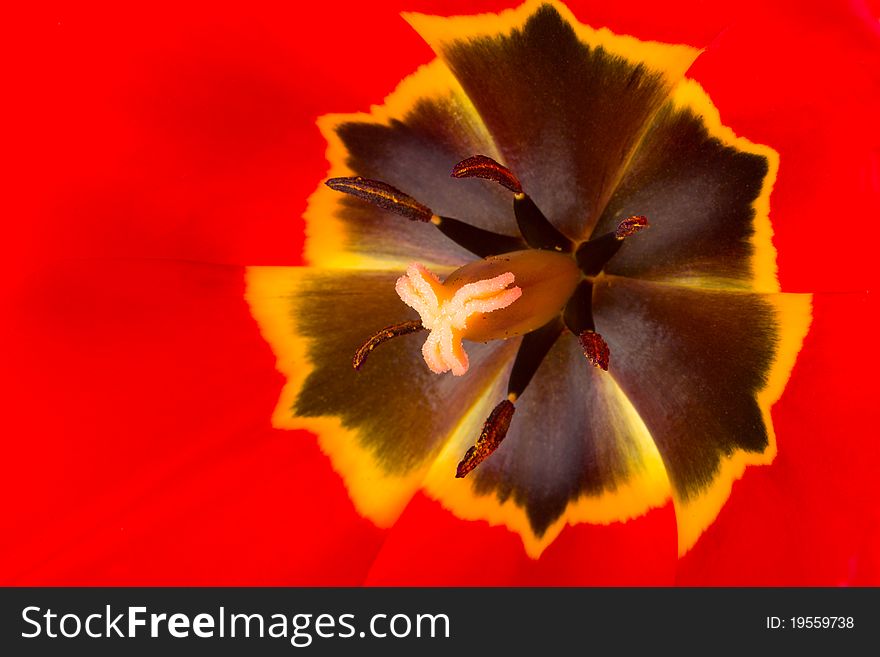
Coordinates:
[446,318]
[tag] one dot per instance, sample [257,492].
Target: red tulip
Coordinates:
[157,156]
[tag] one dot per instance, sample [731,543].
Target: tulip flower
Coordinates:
[604,271]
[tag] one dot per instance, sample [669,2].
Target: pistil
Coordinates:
[446,314]
[476,302]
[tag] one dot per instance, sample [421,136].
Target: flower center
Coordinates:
[537,286]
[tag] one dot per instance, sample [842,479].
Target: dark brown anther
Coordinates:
[382,195]
[595,349]
[631,226]
[481,166]
[387,333]
[494,431]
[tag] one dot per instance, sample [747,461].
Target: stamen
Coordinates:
[592,256]
[447,318]
[383,195]
[595,349]
[494,431]
[532,350]
[535,228]
[578,317]
[630,226]
[387,333]
[480,242]
[481,166]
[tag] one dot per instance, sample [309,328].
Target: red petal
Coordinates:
[812,92]
[185,133]
[811,516]
[139,449]
[430,547]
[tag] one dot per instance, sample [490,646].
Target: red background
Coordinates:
[154,153]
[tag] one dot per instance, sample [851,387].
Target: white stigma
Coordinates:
[446,318]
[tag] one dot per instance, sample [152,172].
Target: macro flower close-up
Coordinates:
[469,293]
